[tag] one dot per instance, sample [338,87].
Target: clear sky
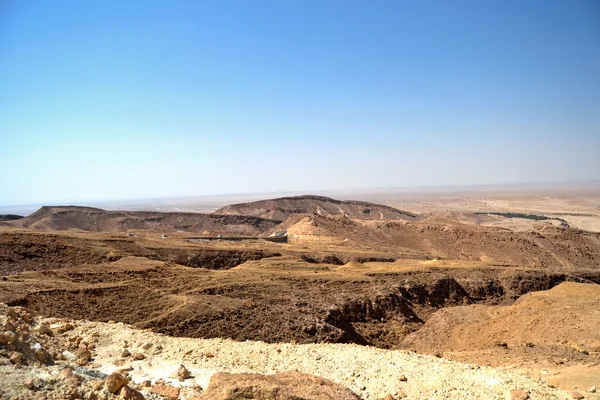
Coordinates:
[130,99]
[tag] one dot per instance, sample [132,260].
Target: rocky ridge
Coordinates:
[284,207]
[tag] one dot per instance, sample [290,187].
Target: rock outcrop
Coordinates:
[283,386]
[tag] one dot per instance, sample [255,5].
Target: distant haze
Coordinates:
[127,100]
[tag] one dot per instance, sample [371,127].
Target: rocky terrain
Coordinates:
[48,358]
[281,208]
[544,245]
[344,287]
[97,220]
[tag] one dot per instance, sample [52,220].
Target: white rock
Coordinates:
[69,356]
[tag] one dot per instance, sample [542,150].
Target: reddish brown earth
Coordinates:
[253,290]
[386,283]
[285,386]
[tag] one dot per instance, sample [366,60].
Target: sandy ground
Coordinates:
[579,206]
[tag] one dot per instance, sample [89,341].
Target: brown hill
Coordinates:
[98,220]
[281,208]
[568,314]
[549,247]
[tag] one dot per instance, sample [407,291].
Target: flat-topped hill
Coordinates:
[281,208]
[98,220]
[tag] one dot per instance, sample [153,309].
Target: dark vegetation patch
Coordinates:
[208,258]
[330,259]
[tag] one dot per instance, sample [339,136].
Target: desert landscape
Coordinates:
[469,295]
[299,200]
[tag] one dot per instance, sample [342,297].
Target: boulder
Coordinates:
[518,394]
[115,382]
[7,337]
[65,328]
[282,386]
[127,393]
[16,358]
[168,391]
[181,374]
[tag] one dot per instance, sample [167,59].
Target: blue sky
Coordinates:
[110,99]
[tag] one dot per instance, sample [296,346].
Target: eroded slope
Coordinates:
[97,220]
[282,208]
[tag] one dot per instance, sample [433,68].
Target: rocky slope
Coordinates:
[567,315]
[97,220]
[543,247]
[60,359]
[282,208]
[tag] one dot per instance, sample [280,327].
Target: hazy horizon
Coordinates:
[109,101]
[211,202]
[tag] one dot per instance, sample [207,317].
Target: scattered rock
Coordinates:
[7,338]
[26,315]
[518,394]
[401,394]
[28,384]
[577,395]
[85,355]
[124,370]
[16,358]
[168,391]
[138,356]
[114,382]
[41,355]
[94,396]
[127,393]
[69,356]
[402,378]
[44,329]
[592,389]
[282,386]
[70,378]
[387,397]
[183,373]
[581,349]
[125,353]
[147,345]
[65,328]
